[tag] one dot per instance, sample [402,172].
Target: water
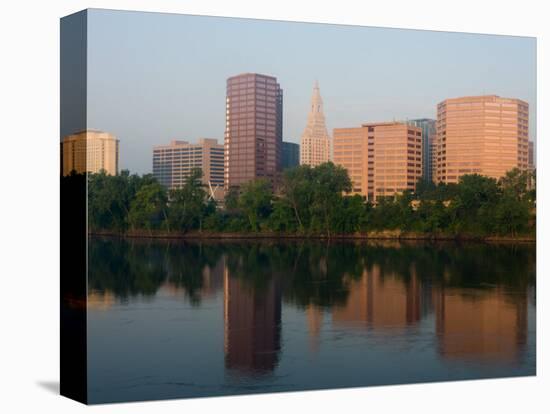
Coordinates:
[174,319]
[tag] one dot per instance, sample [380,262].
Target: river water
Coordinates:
[175,319]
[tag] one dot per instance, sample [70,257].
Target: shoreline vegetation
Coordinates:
[388,235]
[311,203]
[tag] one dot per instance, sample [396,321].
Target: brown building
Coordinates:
[382,159]
[89,151]
[253,128]
[485,135]
[172,164]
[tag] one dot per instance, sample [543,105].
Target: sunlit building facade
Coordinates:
[253,129]
[90,151]
[382,159]
[173,163]
[315,141]
[485,135]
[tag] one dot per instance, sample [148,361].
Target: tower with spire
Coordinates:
[315,142]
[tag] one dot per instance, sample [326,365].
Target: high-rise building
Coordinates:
[382,159]
[485,135]
[428,127]
[315,142]
[253,128]
[172,163]
[291,155]
[89,151]
[531,155]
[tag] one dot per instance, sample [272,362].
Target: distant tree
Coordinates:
[187,207]
[328,184]
[516,184]
[148,208]
[511,216]
[425,189]
[296,189]
[255,201]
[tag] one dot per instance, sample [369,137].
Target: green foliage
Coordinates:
[314,200]
[148,208]
[187,205]
[255,202]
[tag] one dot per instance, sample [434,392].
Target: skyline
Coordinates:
[184,99]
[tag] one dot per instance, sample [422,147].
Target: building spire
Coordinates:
[315,142]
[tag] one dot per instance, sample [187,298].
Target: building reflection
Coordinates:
[475,324]
[210,282]
[314,323]
[101,300]
[381,301]
[252,325]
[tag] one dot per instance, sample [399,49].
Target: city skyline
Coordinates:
[185,98]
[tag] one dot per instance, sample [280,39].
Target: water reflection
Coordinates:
[479,324]
[472,300]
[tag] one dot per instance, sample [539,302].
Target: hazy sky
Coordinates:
[153,77]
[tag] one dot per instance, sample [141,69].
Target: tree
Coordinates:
[515,183]
[511,215]
[328,184]
[296,189]
[148,208]
[255,201]
[188,205]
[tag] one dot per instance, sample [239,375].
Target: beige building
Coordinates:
[315,141]
[485,135]
[382,159]
[89,151]
[172,164]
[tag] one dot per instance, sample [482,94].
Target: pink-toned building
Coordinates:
[485,135]
[382,159]
[253,129]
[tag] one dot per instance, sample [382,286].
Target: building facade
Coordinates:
[315,142]
[172,164]
[89,151]
[291,155]
[429,131]
[253,128]
[485,135]
[531,155]
[382,159]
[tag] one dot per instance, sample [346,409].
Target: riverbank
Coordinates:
[375,235]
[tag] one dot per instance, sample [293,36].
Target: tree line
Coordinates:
[314,200]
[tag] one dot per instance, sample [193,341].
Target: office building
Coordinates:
[485,135]
[172,164]
[291,155]
[315,142]
[382,159]
[428,127]
[253,129]
[531,155]
[89,151]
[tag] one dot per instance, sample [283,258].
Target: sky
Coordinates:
[154,77]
